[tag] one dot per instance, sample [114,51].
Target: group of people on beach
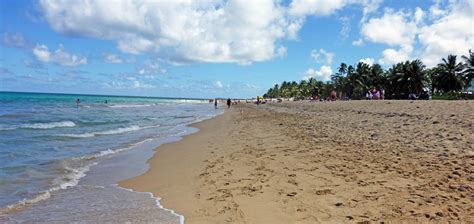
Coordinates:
[229,102]
[375,94]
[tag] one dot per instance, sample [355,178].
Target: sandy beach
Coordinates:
[338,162]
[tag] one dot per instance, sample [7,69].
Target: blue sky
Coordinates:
[217,48]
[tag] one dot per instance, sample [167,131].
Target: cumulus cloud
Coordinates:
[393,28]
[151,67]
[60,56]
[391,56]
[451,33]
[301,8]
[41,52]
[439,32]
[318,7]
[369,61]
[179,31]
[324,73]
[112,59]
[322,56]
[436,11]
[419,14]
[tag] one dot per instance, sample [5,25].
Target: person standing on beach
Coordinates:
[228,103]
[215,103]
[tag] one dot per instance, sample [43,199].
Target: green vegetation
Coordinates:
[453,96]
[444,81]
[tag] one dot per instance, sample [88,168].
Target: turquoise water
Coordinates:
[48,143]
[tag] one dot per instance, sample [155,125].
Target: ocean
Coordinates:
[60,162]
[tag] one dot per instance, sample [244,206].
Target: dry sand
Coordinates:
[360,161]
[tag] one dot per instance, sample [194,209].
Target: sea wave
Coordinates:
[129,105]
[70,179]
[5,128]
[59,124]
[108,132]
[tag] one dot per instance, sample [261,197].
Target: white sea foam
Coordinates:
[3,128]
[119,130]
[109,132]
[85,135]
[129,105]
[60,124]
[65,181]
[157,200]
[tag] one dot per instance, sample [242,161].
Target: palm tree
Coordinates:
[468,68]
[450,79]
[348,85]
[342,69]
[338,83]
[376,75]
[303,89]
[432,78]
[359,80]
[414,77]
[313,87]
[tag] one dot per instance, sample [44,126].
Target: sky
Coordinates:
[207,49]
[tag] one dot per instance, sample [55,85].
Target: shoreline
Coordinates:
[175,152]
[324,162]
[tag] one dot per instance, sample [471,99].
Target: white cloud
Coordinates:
[180,31]
[345,27]
[218,84]
[451,33]
[150,67]
[358,42]
[436,11]
[112,59]
[302,8]
[60,56]
[41,52]
[419,15]
[294,27]
[443,31]
[392,56]
[317,7]
[370,6]
[322,56]
[369,61]
[393,28]
[140,85]
[324,73]
[128,83]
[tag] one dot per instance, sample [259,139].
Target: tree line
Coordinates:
[404,78]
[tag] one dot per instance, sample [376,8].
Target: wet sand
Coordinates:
[300,162]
